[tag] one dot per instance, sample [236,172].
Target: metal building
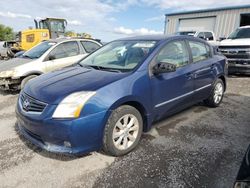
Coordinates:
[222,21]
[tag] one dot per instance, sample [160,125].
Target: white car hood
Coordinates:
[12,63]
[235,42]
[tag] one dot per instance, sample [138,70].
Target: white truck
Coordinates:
[237,50]
[209,36]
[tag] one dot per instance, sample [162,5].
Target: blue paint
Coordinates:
[157,96]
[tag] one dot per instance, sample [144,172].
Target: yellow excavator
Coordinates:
[48,28]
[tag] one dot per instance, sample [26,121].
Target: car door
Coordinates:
[64,54]
[173,90]
[204,67]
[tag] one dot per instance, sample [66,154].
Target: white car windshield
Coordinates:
[38,50]
[119,55]
[240,33]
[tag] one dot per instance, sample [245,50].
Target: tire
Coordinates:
[216,95]
[26,79]
[120,137]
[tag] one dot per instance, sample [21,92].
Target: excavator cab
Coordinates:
[56,26]
[48,28]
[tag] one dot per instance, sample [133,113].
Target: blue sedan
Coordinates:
[108,99]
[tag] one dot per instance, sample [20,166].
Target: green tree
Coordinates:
[70,33]
[6,33]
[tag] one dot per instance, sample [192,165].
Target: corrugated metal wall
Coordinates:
[226,20]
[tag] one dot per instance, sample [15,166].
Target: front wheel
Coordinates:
[122,131]
[217,94]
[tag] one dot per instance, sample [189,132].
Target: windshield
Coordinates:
[119,55]
[57,26]
[38,50]
[240,33]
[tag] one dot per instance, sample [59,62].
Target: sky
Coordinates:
[103,19]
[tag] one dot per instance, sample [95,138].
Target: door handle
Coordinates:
[212,66]
[189,76]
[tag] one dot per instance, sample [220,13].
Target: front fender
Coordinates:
[31,68]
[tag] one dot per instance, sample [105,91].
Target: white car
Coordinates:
[42,58]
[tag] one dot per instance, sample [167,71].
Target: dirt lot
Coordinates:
[199,147]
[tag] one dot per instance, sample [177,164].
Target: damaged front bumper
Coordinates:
[9,84]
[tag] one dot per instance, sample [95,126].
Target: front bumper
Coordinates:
[238,67]
[75,136]
[9,84]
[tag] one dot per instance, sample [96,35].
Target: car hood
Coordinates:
[12,63]
[235,42]
[51,88]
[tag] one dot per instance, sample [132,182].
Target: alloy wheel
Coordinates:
[218,92]
[125,132]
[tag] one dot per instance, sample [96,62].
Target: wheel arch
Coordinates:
[37,73]
[223,78]
[142,110]
[137,105]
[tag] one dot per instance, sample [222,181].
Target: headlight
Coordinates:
[8,73]
[71,106]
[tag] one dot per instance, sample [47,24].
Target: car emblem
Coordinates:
[233,52]
[26,104]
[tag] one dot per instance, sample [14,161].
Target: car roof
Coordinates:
[147,37]
[157,37]
[58,40]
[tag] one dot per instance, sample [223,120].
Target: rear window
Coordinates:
[90,46]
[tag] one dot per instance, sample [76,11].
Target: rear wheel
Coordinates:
[26,79]
[122,131]
[217,94]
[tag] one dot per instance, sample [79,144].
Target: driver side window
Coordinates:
[175,53]
[66,49]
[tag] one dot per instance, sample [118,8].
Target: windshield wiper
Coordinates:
[27,56]
[109,69]
[100,68]
[89,66]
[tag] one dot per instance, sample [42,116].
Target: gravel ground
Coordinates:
[199,147]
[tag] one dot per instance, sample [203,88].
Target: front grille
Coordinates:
[236,53]
[237,56]
[234,47]
[33,135]
[29,104]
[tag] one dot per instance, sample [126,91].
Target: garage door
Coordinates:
[207,23]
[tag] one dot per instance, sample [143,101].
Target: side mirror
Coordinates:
[163,67]
[222,38]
